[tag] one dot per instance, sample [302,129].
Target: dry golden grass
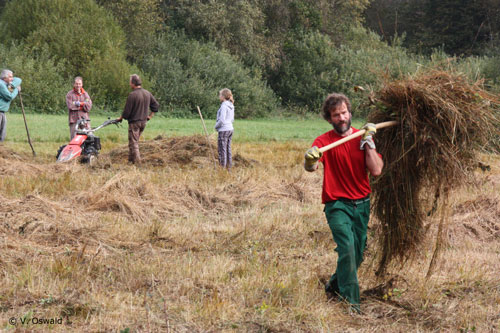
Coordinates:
[186,248]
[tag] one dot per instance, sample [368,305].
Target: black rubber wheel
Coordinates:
[90,156]
[59,151]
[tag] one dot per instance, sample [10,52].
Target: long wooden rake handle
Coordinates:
[355,135]
[26,124]
[208,138]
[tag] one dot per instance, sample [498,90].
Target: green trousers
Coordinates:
[348,221]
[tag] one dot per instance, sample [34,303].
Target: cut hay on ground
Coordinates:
[443,122]
[13,163]
[181,249]
[193,150]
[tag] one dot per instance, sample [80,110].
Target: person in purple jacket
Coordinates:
[224,126]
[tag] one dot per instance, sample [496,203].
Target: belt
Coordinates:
[355,202]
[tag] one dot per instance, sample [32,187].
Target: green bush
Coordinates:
[108,80]
[131,14]
[77,33]
[490,69]
[313,66]
[188,73]
[476,68]
[309,70]
[44,87]
[368,61]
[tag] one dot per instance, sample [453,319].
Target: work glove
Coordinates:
[77,103]
[368,136]
[311,157]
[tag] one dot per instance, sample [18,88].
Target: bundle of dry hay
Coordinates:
[160,151]
[443,122]
[7,153]
[13,163]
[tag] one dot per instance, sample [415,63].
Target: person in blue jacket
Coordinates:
[224,126]
[10,86]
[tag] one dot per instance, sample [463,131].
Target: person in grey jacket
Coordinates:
[224,126]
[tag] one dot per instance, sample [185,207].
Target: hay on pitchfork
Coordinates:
[444,121]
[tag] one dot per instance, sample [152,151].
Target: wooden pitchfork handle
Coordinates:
[355,135]
[26,124]
[208,138]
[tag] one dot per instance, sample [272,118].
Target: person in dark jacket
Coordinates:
[139,109]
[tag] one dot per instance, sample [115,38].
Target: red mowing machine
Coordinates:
[84,145]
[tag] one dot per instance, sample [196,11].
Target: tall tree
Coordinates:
[459,27]
[255,30]
[141,21]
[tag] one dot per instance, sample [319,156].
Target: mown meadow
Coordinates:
[180,246]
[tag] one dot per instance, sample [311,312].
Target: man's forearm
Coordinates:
[6,95]
[374,163]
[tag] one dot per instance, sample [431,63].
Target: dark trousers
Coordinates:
[224,148]
[135,130]
[348,222]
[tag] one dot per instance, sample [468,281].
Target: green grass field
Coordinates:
[49,129]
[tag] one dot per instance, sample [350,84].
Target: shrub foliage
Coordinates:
[188,73]
[271,53]
[79,34]
[44,86]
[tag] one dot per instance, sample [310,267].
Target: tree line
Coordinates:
[277,56]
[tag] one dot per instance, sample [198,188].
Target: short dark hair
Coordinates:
[333,101]
[136,80]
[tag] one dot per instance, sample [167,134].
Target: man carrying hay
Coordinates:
[137,112]
[346,190]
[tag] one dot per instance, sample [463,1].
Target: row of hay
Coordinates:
[194,150]
[61,215]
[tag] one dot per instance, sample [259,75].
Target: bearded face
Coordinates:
[340,118]
[342,126]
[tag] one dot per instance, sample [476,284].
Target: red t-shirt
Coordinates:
[345,173]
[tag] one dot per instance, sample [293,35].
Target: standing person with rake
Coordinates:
[224,126]
[10,86]
[346,190]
